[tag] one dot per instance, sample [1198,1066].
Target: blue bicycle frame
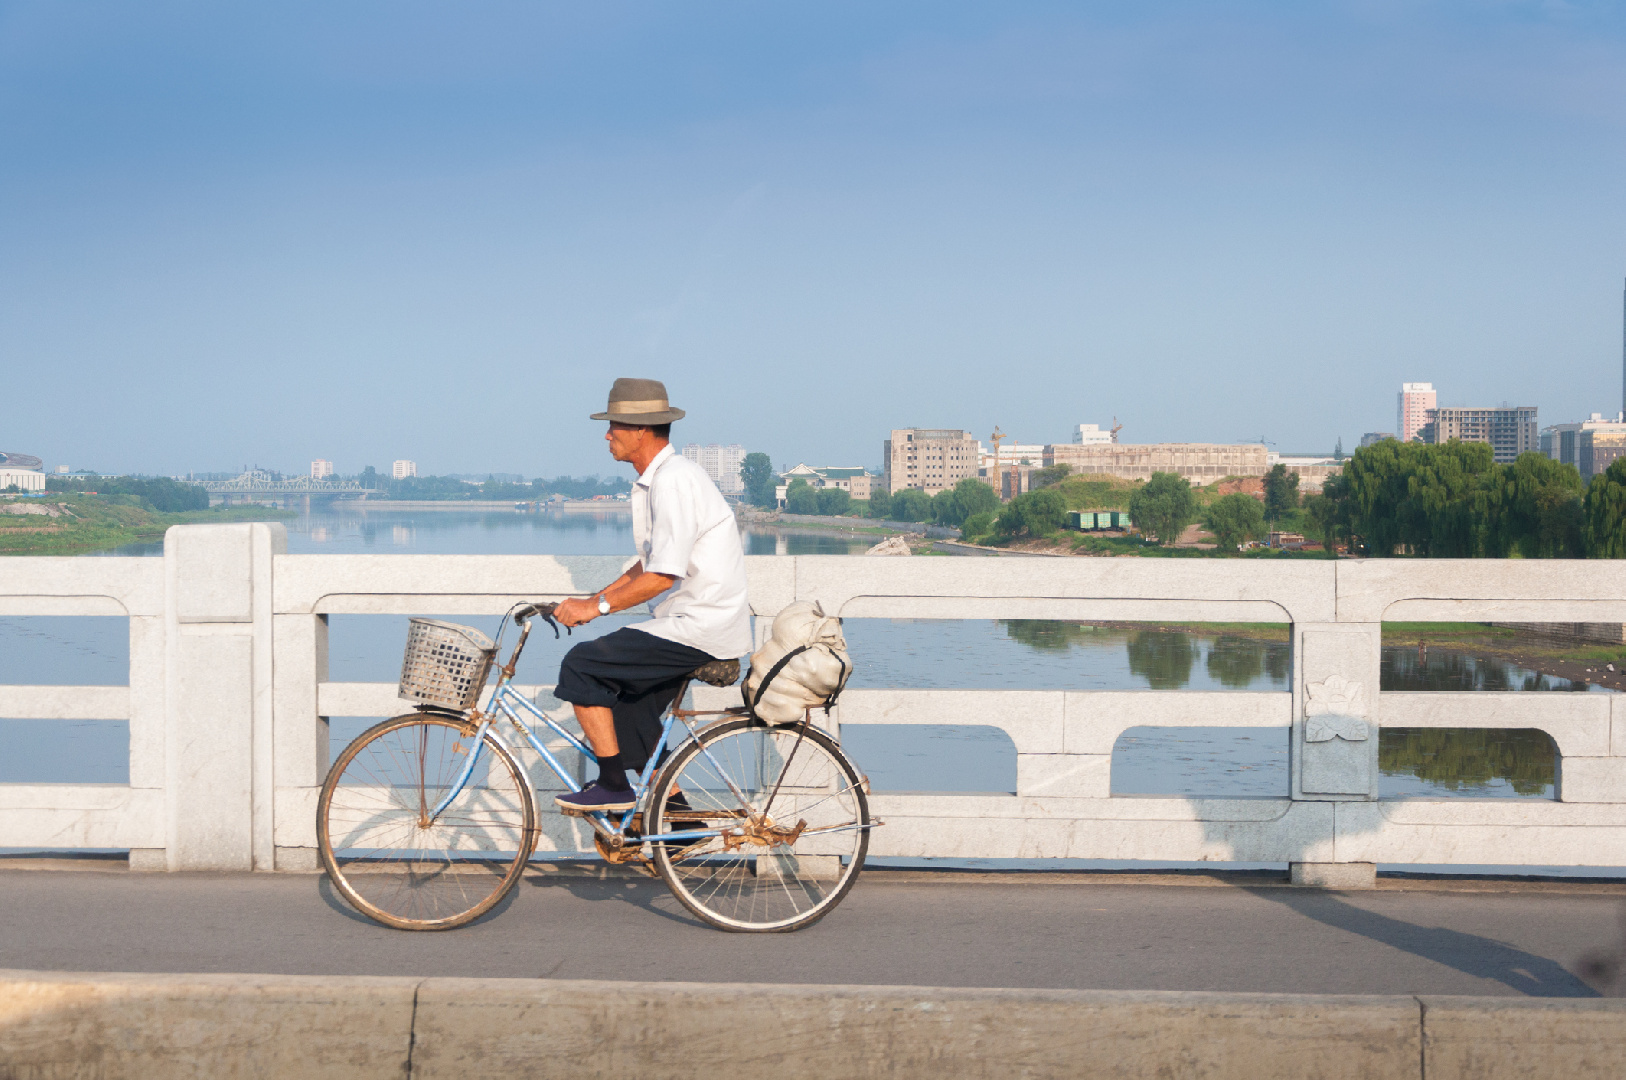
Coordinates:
[504,698]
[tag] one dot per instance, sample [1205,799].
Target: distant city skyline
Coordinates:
[363,231]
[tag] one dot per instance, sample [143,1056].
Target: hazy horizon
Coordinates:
[369,232]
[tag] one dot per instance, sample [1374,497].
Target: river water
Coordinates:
[950,654]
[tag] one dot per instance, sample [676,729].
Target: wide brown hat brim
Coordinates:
[641,419]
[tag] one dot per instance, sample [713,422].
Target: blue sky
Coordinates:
[236,233]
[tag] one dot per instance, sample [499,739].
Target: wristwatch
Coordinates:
[603,605]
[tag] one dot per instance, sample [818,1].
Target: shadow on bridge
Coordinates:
[1480,957]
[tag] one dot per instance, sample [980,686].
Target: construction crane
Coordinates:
[1116,427]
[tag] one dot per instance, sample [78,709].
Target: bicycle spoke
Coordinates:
[769,871]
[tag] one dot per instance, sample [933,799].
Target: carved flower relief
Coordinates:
[1333,711]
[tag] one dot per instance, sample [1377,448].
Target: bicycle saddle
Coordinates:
[717,672]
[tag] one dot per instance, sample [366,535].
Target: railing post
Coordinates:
[219,778]
[301,742]
[1335,734]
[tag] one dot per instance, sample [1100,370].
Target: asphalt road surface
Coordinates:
[893,929]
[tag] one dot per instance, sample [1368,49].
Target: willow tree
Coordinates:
[1604,527]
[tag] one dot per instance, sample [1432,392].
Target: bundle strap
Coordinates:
[762,686]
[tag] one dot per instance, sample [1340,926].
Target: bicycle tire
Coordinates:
[796,782]
[383,859]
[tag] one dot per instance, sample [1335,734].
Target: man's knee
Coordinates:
[579,680]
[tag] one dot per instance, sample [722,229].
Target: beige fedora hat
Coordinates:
[639,401]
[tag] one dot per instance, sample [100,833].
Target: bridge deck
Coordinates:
[893,929]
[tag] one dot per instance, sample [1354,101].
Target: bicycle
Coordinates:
[427,820]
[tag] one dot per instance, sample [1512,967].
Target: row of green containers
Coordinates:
[1090,520]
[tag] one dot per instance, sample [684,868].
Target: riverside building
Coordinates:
[1591,445]
[929,459]
[400,470]
[1416,399]
[1510,430]
[321,470]
[23,471]
[1200,463]
[721,463]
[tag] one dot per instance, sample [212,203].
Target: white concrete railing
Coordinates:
[229,695]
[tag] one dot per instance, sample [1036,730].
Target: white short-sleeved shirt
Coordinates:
[683,528]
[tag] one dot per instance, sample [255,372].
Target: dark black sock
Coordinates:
[612,775]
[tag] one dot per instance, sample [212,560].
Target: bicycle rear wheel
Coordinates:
[796,824]
[384,854]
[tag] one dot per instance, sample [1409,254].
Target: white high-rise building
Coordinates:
[1091,433]
[403,469]
[321,470]
[1416,399]
[722,464]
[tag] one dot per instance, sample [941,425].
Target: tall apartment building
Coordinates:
[1416,398]
[321,470]
[403,469]
[722,464]
[930,459]
[1200,463]
[1510,430]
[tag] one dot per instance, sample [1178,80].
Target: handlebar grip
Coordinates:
[543,610]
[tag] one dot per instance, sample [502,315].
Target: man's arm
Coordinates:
[629,590]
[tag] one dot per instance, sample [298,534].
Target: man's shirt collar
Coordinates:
[646,477]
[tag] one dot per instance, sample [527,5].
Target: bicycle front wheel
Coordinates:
[386,856]
[795,826]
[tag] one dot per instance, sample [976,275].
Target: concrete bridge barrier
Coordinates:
[57,1026]
[229,699]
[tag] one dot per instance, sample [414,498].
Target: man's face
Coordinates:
[626,440]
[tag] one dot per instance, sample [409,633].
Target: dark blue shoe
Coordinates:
[594,799]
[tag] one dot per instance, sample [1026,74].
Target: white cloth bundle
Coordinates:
[810,677]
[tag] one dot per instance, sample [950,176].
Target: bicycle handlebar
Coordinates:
[544,610]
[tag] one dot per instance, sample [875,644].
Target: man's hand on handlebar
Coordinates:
[574,611]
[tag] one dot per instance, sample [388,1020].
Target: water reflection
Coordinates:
[1162,657]
[1239,662]
[760,541]
[1476,763]
[1405,667]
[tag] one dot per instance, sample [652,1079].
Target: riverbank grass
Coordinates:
[77,524]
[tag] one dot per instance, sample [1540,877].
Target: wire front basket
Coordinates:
[445,664]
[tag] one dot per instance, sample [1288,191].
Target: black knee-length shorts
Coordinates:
[633,674]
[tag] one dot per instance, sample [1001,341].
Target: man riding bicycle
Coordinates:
[690,568]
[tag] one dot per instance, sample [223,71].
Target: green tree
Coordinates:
[1234,518]
[756,473]
[1048,476]
[1163,506]
[1532,506]
[911,504]
[833,501]
[880,504]
[1604,527]
[952,506]
[1034,513]
[800,498]
[1330,513]
[977,526]
[1418,497]
[1281,491]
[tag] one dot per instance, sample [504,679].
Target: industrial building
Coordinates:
[23,471]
